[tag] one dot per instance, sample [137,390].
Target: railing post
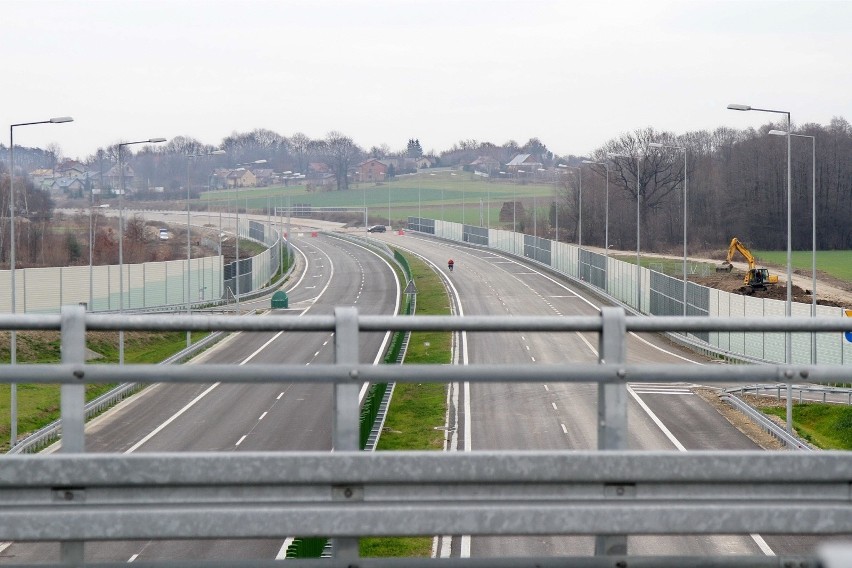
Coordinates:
[346,413]
[73,401]
[612,409]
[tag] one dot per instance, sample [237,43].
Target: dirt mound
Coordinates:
[733,282]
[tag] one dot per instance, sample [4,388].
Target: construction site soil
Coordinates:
[733,282]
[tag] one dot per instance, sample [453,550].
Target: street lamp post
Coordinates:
[237,245]
[788,343]
[579,207]
[813,229]
[13,345]
[606,221]
[189,159]
[638,199]
[658,145]
[606,206]
[121,238]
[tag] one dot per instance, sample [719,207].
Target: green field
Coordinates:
[451,196]
[828,426]
[837,263]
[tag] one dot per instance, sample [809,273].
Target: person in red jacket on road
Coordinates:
[450,264]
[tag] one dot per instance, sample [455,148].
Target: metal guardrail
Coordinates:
[759,390]
[382,415]
[74,496]
[764,422]
[47,435]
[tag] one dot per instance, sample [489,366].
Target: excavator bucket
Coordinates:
[725,267]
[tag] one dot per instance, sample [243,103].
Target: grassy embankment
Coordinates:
[417,408]
[38,404]
[828,426]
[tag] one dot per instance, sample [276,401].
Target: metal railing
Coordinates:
[74,496]
[840,395]
[764,422]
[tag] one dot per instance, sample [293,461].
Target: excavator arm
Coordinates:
[737,247]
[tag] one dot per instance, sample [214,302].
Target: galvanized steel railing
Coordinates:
[74,496]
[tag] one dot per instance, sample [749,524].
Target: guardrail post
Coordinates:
[73,401]
[346,413]
[612,408]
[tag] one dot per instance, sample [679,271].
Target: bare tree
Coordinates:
[342,152]
[659,175]
[300,145]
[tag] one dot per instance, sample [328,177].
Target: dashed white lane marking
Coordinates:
[262,416]
[132,558]
[279,396]
[553,404]
[547,388]
[240,441]
[564,428]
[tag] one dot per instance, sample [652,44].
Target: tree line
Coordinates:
[736,185]
[736,180]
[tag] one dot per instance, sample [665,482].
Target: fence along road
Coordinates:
[563,416]
[240,417]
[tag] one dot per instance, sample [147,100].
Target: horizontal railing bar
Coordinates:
[241,519]
[200,322]
[300,468]
[337,373]
[492,562]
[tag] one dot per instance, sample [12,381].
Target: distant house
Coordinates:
[264,177]
[526,163]
[317,170]
[219,179]
[485,164]
[42,178]
[425,162]
[114,178]
[72,169]
[67,185]
[372,170]
[241,178]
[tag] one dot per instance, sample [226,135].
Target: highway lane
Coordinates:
[238,417]
[561,415]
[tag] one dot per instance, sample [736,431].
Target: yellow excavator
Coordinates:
[755,278]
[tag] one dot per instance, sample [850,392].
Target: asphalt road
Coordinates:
[239,417]
[223,417]
[563,415]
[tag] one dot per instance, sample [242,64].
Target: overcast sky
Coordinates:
[572,73]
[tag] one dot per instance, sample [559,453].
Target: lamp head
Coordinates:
[156,140]
[777,133]
[655,145]
[734,106]
[217,153]
[59,119]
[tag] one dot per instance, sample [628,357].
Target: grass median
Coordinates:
[418,410]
